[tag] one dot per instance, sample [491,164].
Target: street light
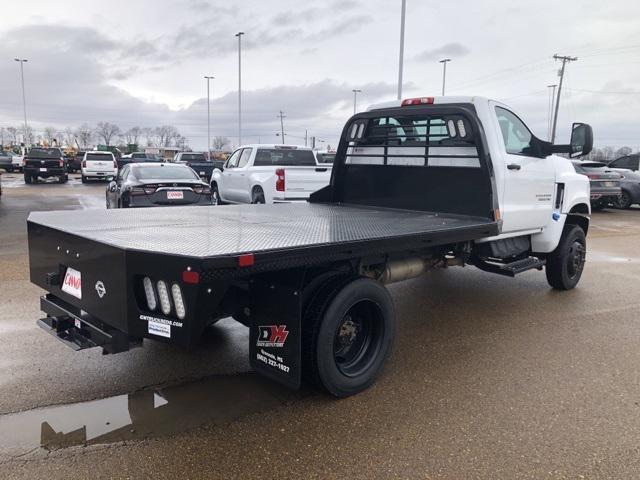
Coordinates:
[402,15]
[24,102]
[239,35]
[444,72]
[208,78]
[355,91]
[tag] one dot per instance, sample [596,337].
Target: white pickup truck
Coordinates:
[269,174]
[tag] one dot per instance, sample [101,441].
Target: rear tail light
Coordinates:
[135,191]
[84,164]
[280,180]
[152,303]
[202,189]
[593,176]
[176,293]
[163,294]
[115,164]
[418,101]
[61,162]
[24,162]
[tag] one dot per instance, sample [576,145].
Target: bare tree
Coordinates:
[622,151]
[27,134]
[107,131]
[181,142]
[607,153]
[149,136]
[220,142]
[49,134]
[132,135]
[166,134]
[13,131]
[84,134]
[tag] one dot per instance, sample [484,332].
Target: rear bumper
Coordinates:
[79,330]
[48,171]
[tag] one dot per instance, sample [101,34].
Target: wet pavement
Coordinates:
[491,378]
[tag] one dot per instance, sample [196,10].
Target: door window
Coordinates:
[233,159]
[244,158]
[516,135]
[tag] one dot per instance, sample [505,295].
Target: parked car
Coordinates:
[605,183]
[75,163]
[628,162]
[269,174]
[198,161]
[44,162]
[6,161]
[630,185]
[138,157]
[16,160]
[98,165]
[157,184]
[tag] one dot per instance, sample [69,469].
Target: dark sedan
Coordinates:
[630,184]
[157,185]
[605,183]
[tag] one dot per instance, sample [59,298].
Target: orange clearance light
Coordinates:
[246,260]
[417,101]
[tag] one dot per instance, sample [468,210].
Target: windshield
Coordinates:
[100,156]
[190,157]
[45,153]
[284,157]
[163,172]
[326,157]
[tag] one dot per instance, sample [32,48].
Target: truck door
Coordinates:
[242,181]
[529,181]
[226,188]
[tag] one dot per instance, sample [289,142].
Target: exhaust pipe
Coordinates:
[399,270]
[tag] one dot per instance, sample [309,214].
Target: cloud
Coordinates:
[447,50]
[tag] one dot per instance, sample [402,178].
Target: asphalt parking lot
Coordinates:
[491,377]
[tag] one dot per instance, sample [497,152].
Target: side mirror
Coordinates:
[113,186]
[581,140]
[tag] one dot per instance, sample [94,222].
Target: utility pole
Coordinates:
[355,91]
[564,60]
[306,137]
[444,62]
[281,115]
[24,102]
[552,96]
[208,78]
[239,35]
[402,15]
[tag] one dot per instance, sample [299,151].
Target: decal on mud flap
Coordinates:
[274,334]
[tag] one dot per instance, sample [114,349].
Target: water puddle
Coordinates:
[595,256]
[144,414]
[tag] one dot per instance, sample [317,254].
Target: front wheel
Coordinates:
[566,263]
[348,332]
[215,195]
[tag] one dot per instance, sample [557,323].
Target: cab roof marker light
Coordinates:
[246,260]
[418,101]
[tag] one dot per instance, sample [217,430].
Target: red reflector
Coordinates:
[417,101]
[246,260]
[190,277]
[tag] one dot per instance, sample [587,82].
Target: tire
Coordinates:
[566,263]
[63,179]
[215,195]
[84,179]
[9,169]
[257,195]
[348,332]
[27,179]
[624,200]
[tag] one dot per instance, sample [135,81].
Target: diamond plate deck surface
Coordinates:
[225,230]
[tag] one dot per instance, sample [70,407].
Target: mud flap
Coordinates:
[274,335]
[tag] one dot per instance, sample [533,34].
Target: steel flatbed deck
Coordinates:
[268,231]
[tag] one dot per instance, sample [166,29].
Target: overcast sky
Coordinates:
[141,62]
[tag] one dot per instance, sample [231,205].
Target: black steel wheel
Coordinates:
[348,332]
[566,263]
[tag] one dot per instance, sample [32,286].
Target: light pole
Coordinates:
[402,15]
[208,78]
[355,91]
[552,97]
[24,102]
[444,72]
[239,35]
